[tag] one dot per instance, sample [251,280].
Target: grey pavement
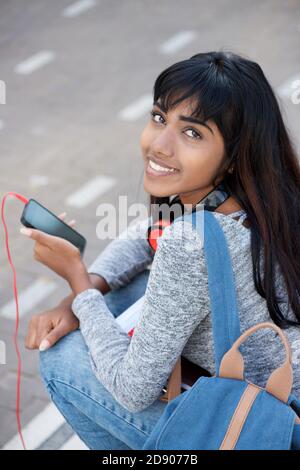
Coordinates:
[61,122]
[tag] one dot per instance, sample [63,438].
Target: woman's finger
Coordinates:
[62,216]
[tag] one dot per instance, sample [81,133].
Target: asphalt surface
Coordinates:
[61,127]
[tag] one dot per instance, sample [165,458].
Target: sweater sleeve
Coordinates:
[134,370]
[125,257]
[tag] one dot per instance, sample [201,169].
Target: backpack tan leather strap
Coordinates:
[174,383]
[280,381]
[232,366]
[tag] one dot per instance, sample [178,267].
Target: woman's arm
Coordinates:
[176,300]
[118,263]
[53,324]
[124,257]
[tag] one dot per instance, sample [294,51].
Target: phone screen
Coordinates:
[37,216]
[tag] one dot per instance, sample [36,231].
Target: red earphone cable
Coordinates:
[15,338]
[154,232]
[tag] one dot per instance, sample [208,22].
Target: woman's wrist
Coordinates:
[79,280]
[98,283]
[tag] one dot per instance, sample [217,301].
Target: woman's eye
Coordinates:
[198,136]
[195,133]
[153,114]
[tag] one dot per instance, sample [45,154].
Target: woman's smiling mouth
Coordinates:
[154,169]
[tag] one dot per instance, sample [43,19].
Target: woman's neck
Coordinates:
[227,207]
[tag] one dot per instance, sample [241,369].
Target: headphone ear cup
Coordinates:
[155,231]
[153,235]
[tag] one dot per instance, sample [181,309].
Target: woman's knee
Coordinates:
[60,360]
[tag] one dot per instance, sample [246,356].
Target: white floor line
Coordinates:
[38,131]
[286,89]
[74,443]
[136,109]
[90,191]
[177,42]
[2,92]
[38,430]
[35,62]
[38,180]
[29,298]
[75,9]
[3,353]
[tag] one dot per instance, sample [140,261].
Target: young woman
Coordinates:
[215,118]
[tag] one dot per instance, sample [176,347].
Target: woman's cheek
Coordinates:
[198,171]
[145,139]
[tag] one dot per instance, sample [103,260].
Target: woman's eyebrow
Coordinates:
[187,118]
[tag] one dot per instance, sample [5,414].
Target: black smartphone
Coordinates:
[38,217]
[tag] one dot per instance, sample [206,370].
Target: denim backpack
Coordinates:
[226,411]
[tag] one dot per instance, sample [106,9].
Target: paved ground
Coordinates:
[61,127]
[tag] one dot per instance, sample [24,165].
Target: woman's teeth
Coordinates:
[157,167]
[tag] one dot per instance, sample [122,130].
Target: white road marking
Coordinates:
[136,109]
[38,180]
[2,352]
[77,8]
[74,443]
[286,89]
[38,130]
[90,191]
[177,42]
[29,298]
[38,430]
[35,62]
[2,92]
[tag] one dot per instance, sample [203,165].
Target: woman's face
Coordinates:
[195,151]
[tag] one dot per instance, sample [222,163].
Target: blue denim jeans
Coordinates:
[92,412]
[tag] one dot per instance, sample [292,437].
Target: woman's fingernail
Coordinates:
[25,231]
[44,345]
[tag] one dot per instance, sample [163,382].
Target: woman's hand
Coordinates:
[60,256]
[46,328]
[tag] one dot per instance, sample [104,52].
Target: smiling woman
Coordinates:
[172,148]
[238,136]
[215,119]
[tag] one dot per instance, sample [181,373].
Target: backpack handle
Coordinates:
[280,381]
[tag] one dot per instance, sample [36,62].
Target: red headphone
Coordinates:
[211,201]
[155,231]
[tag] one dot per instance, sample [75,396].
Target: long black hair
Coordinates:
[234,92]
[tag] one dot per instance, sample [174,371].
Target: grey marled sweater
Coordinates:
[175,317]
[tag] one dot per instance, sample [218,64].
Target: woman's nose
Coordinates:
[163,144]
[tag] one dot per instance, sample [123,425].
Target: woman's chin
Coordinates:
[156,190]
